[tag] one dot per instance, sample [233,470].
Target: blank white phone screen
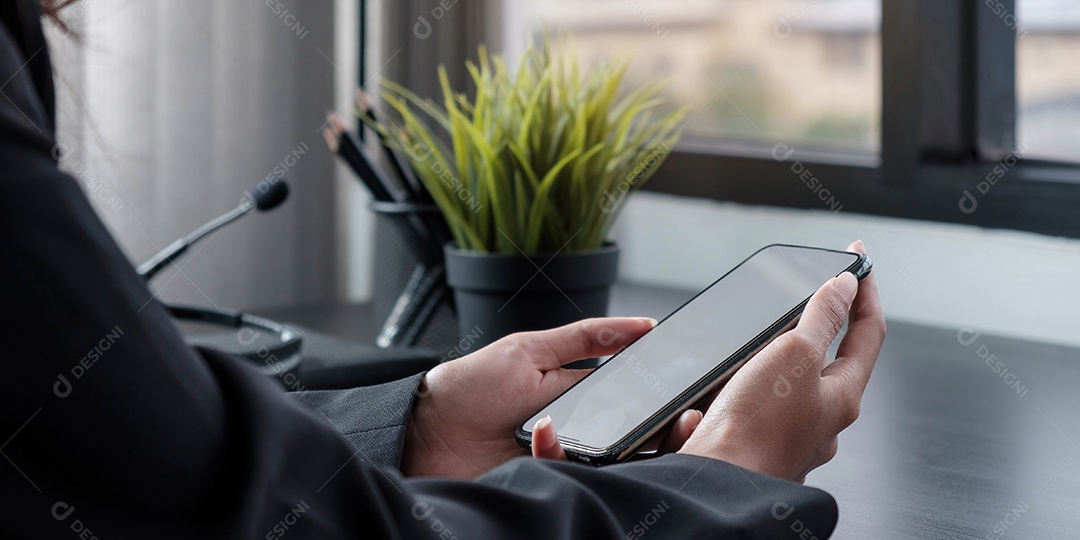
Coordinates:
[635,384]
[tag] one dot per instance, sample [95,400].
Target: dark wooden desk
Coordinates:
[948,446]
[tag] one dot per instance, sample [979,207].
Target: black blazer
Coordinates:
[112,427]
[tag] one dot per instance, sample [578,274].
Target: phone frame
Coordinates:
[630,443]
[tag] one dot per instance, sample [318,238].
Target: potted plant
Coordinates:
[529,173]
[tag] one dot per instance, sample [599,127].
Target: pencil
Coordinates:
[412,185]
[342,143]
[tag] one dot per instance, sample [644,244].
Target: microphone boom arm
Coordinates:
[263,197]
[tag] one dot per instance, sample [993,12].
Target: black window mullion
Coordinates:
[995,78]
[926,87]
[946,80]
[901,92]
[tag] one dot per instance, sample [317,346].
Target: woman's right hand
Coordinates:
[781,413]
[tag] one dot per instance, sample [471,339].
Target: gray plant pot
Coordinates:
[497,295]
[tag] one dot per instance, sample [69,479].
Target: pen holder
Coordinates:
[412,305]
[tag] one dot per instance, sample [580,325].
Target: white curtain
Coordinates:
[169,109]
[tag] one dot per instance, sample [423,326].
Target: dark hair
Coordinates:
[50,9]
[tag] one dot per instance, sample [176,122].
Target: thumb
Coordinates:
[586,339]
[825,313]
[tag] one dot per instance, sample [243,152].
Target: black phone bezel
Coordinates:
[641,434]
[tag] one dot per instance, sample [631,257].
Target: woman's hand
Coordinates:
[468,410]
[781,413]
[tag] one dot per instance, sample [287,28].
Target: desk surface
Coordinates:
[949,444]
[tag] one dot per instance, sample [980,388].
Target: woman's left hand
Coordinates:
[468,410]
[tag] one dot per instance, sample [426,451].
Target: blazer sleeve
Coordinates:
[112,427]
[371,419]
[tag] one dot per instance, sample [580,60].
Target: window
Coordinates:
[799,71]
[953,111]
[1048,79]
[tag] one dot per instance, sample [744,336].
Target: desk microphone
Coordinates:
[264,196]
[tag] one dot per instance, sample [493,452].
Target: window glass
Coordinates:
[794,71]
[1047,78]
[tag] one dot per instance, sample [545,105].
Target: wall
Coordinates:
[170,110]
[953,276]
[354,219]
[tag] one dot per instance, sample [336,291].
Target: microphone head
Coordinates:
[268,194]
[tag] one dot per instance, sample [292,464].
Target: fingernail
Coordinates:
[846,285]
[696,418]
[542,434]
[650,320]
[859,243]
[689,420]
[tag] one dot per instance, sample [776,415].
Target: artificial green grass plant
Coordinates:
[539,161]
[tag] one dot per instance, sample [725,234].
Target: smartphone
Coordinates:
[614,411]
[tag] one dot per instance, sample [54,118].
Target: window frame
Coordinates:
[944,156]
